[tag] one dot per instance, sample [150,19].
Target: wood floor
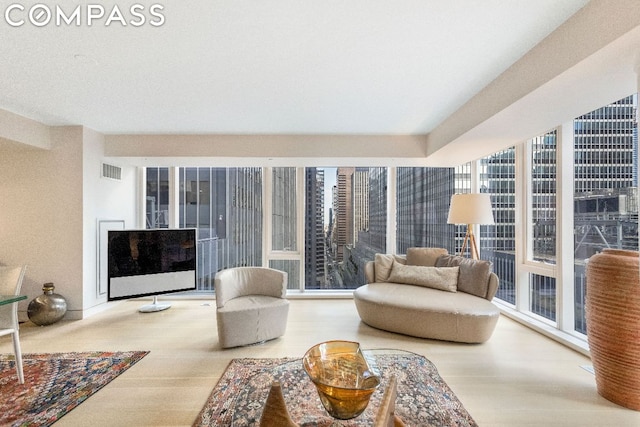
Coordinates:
[517,378]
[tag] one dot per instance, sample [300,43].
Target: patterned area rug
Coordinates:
[423,398]
[56,383]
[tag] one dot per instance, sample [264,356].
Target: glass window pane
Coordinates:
[314,230]
[225,205]
[284,218]
[157,203]
[606,196]
[463,174]
[543,296]
[543,198]
[497,242]
[345,224]
[189,209]
[422,206]
[292,268]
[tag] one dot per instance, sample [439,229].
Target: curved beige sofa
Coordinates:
[430,299]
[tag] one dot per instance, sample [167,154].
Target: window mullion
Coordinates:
[565,317]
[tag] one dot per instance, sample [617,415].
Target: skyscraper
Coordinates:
[423,201]
[360,202]
[315,277]
[344,211]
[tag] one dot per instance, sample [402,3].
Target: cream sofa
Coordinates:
[430,294]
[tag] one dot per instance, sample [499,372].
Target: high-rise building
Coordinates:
[377,233]
[423,198]
[374,239]
[343,211]
[315,275]
[360,201]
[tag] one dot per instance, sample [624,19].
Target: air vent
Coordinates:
[111,171]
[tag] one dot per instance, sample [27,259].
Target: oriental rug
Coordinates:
[56,383]
[423,398]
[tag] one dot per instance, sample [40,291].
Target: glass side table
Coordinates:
[10,299]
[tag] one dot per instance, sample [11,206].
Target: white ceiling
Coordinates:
[269,67]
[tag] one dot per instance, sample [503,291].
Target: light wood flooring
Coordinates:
[517,378]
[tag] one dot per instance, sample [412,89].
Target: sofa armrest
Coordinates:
[370,272]
[492,288]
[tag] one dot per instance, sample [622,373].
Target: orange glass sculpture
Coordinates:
[343,376]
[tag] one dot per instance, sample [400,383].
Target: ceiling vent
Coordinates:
[111,171]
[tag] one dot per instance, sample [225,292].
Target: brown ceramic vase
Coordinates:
[613,325]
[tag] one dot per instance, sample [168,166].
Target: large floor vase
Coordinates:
[613,325]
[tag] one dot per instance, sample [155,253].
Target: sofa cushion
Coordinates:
[424,256]
[383,264]
[474,274]
[442,278]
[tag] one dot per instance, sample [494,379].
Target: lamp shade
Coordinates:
[470,208]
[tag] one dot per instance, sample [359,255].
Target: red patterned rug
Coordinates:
[56,383]
[423,398]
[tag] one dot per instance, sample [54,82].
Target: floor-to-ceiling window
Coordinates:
[606,193]
[326,223]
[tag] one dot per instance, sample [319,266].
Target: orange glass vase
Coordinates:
[343,376]
[613,324]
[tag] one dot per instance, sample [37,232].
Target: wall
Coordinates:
[103,199]
[51,201]
[41,215]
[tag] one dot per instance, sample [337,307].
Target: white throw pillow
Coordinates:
[442,278]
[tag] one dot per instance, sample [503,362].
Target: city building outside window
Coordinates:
[606,193]
[497,242]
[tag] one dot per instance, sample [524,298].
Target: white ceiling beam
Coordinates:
[586,63]
[19,131]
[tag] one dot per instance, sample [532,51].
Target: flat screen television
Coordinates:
[150,263]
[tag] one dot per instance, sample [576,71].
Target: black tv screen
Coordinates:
[150,262]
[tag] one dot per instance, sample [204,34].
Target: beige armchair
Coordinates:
[250,305]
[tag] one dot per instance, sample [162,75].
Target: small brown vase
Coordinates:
[613,324]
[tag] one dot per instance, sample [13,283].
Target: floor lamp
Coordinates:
[470,209]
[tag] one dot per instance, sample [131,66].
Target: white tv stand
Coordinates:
[154,306]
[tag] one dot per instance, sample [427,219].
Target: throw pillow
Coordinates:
[402,259]
[382,265]
[442,278]
[474,274]
[424,256]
